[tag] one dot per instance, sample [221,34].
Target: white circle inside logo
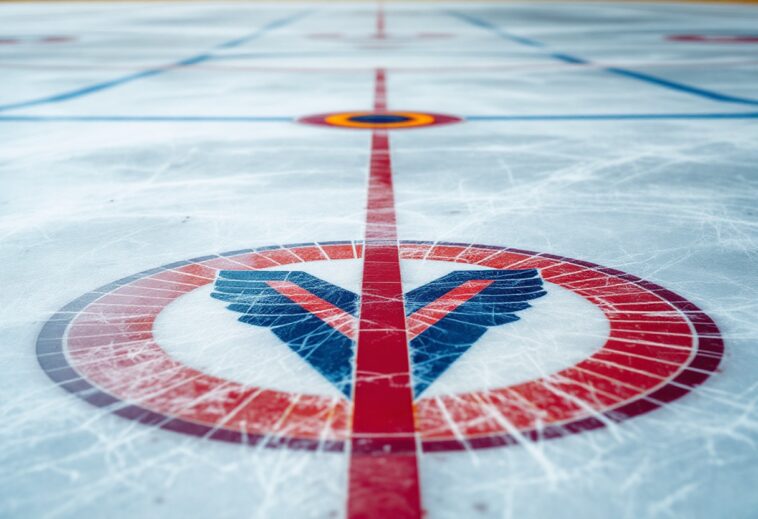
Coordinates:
[559,330]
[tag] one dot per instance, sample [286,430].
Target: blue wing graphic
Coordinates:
[329,351]
[437,348]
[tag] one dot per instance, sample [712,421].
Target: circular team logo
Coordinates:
[257,346]
[372,120]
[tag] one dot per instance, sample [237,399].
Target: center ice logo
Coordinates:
[654,348]
[319,321]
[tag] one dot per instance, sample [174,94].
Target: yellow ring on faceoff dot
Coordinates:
[345,120]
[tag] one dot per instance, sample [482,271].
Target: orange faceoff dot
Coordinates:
[373,120]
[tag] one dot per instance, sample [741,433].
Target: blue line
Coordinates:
[640,76]
[193,60]
[500,32]
[287,119]
[610,117]
[709,94]
[266,28]
[146,118]
[569,58]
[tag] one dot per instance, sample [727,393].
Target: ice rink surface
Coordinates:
[136,135]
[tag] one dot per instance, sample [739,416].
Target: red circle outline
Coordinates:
[660,347]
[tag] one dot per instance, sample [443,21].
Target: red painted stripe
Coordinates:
[423,319]
[417,323]
[380,22]
[335,317]
[703,38]
[380,94]
[382,483]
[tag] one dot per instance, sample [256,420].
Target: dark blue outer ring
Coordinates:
[51,357]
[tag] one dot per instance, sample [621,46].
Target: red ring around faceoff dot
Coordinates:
[101,347]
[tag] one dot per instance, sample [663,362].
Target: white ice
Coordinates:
[85,202]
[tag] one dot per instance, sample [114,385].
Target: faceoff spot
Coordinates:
[373,120]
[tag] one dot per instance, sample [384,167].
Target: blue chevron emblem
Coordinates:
[319,321]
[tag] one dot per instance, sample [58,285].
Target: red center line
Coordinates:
[380,98]
[384,475]
[380,34]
